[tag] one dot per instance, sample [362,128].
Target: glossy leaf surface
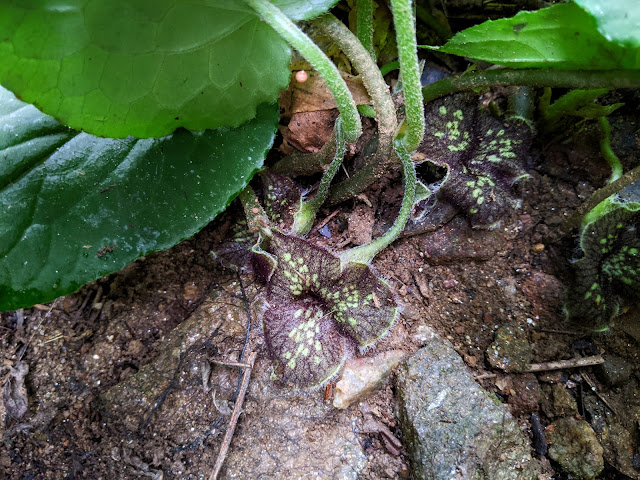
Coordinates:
[562,36]
[74,207]
[115,68]
[618,20]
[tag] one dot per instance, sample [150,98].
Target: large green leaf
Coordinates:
[144,67]
[618,20]
[74,207]
[562,36]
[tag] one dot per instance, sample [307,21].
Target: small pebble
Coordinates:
[538,248]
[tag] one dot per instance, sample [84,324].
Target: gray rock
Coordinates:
[510,350]
[576,449]
[361,376]
[615,371]
[452,427]
[288,434]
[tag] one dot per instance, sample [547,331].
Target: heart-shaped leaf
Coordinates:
[74,207]
[314,305]
[118,67]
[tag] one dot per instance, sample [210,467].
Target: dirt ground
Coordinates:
[465,283]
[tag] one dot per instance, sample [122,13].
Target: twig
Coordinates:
[237,407]
[594,389]
[561,364]
[326,220]
[484,376]
[228,363]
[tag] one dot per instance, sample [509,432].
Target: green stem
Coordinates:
[316,57]
[256,217]
[521,105]
[408,57]
[365,253]
[305,216]
[378,90]
[595,199]
[371,78]
[605,147]
[536,78]
[299,163]
[364,26]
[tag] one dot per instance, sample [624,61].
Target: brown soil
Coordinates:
[465,283]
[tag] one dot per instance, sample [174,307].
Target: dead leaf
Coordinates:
[14,392]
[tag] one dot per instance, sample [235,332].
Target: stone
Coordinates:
[574,445]
[558,402]
[451,426]
[361,376]
[615,371]
[510,350]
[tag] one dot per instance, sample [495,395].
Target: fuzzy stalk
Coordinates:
[365,253]
[533,77]
[608,154]
[409,69]
[364,26]
[317,58]
[257,221]
[373,81]
[305,216]
[580,215]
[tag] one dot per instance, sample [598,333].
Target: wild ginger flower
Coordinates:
[316,306]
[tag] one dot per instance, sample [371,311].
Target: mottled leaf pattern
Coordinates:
[281,199]
[314,306]
[484,158]
[304,342]
[363,304]
[609,270]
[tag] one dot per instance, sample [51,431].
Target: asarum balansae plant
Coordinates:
[608,273]
[317,307]
[484,158]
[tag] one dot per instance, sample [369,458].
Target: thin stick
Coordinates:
[561,364]
[237,407]
[229,363]
[594,389]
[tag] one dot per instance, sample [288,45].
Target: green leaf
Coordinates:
[618,20]
[562,36]
[74,207]
[144,68]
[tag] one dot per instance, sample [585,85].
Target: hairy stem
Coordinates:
[299,163]
[364,26]
[408,57]
[605,147]
[256,217]
[533,77]
[378,90]
[303,219]
[316,57]
[595,199]
[365,253]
